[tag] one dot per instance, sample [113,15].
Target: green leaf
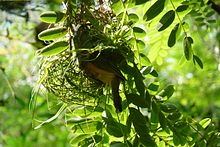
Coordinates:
[128,123]
[162,144]
[147,69]
[77,138]
[154,10]
[154,113]
[133,17]
[90,140]
[147,141]
[62,108]
[113,127]
[154,86]
[137,100]
[188,47]
[198,61]
[117,7]
[140,125]
[174,116]
[182,127]
[114,130]
[166,20]
[145,58]
[154,73]
[205,122]
[182,8]
[139,32]
[138,78]
[140,44]
[168,91]
[163,121]
[52,16]
[168,108]
[179,139]
[148,99]
[136,141]
[87,127]
[78,119]
[209,14]
[54,48]
[117,144]
[53,33]
[139,2]
[176,139]
[138,118]
[173,35]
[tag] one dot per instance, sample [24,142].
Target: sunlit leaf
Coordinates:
[88,127]
[91,140]
[78,120]
[62,108]
[52,16]
[139,32]
[166,20]
[133,17]
[205,122]
[53,33]
[147,69]
[154,10]
[145,58]
[77,138]
[162,144]
[117,7]
[140,44]
[54,48]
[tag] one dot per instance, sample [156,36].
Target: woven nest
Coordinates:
[65,80]
[63,76]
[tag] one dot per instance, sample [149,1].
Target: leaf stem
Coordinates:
[181,23]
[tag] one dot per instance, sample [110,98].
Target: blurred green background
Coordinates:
[18,77]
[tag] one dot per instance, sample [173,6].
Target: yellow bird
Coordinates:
[104,68]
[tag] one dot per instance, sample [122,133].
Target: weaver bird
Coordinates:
[104,67]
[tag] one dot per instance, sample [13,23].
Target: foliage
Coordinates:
[144,32]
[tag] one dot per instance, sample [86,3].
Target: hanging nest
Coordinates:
[65,80]
[62,75]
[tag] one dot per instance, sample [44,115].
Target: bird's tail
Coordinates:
[115,92]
